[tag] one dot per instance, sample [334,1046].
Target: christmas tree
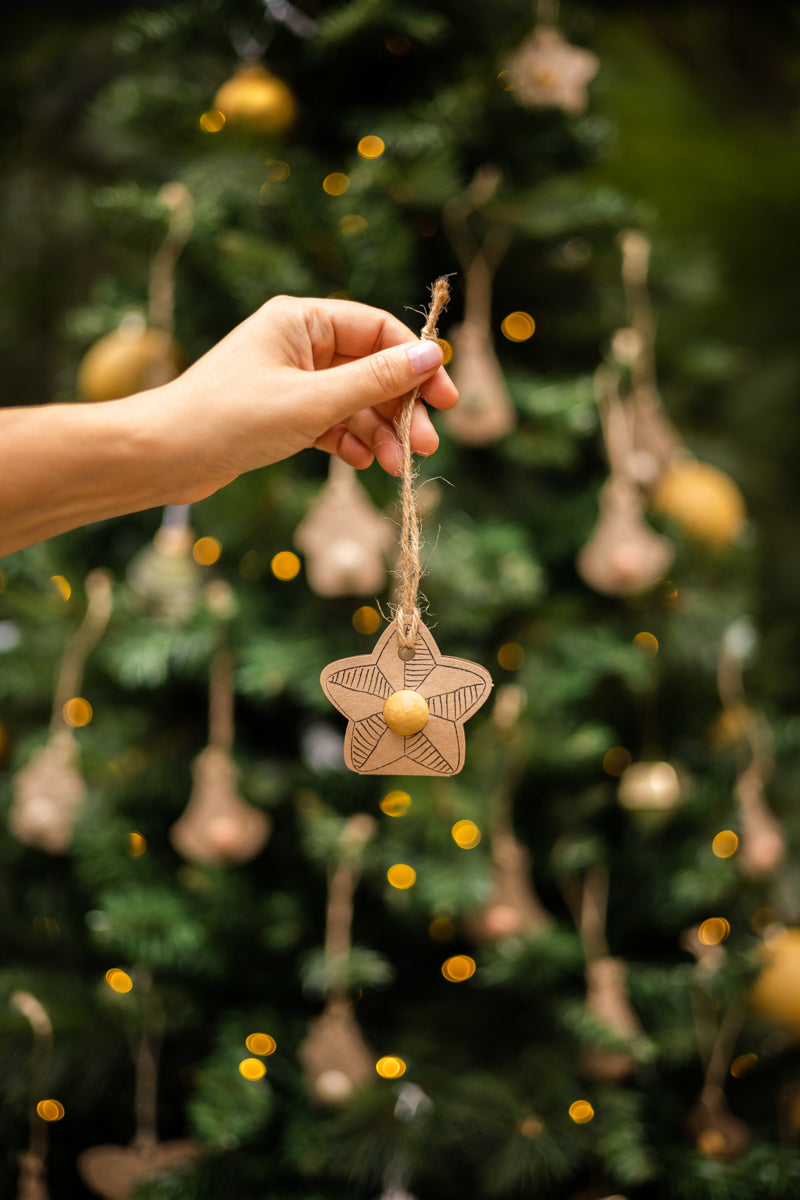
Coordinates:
[232,965]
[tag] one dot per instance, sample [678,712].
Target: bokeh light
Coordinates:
[581,1111]
[743,1064]
[119,981]
[62,586]
[50,1110]
[401,876]
[277,170]
[77,712]
[390,1067]
[713,930]
[335,184]
[458,968]
[137,844]
[442,929]
[212,121]
[252,1069]
[261,1043]
[353,224]
[395,804]
[518,326]
[3,581]
[366,619]
[371,146]
[466,834]
[285,565]
[647,643]
[397,43]
[616,760]
[725,844]
[447,351]
[511,656]
[206,551]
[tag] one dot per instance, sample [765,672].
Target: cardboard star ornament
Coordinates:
[405,714]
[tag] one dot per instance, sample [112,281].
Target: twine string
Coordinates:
[407,614]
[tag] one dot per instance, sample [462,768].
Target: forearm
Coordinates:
[64,465]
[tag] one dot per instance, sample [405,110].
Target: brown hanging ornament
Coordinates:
[49,791]
[624,555]
[218,827]
[163,576]
[513,908]
[115,1172]
[406,704]
[344,538]
[143,354]
[485,412]
[334,1054]
[32,1179]
[547,72]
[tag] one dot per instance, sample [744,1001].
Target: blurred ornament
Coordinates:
[256,100]
[49,791]
[624,555]
[32,1179]
[607,1001]
[547,72]
[776,992]
[702,500]
[334,1054]
[131,359]
[485,411]
[716,1132]
[218,827]
[164,575]
[344,538]
[650,787]
[115,1172]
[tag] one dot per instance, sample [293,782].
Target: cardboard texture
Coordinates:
[359,687]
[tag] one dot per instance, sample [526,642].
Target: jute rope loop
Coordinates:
[407,615]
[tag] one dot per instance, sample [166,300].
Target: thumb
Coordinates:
[376,378]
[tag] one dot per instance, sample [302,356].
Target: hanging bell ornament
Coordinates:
[344,538]
[334,1055]
[485,412]
[624,555]
[164,576]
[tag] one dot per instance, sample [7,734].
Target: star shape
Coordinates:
[451,689]
[547,70]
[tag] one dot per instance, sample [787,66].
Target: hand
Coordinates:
[325,373]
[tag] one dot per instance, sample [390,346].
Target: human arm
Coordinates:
[297,373]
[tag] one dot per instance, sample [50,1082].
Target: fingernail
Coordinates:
[425,355]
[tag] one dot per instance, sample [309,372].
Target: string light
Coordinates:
[352,224]
[77,712]
[252,1069]
[137,845]
[458,968]
[511,656]
[743,1065]
[390,1067]
[401,876]
[335,184]
[442,929]
[366,619]
[212,121]
[50,1110]
[616,760]
[466,834]
[647,643]
[725,844]
[447,351]
[62,586]
[395,804]
[713,930]
[285,565]
[261,1043]
[206,551]
[277,170]
[581,1112]
[371,146]
[119,981]
[518,326]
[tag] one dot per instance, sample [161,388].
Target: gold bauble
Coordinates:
[256,99]
[650,787]
[131,359]
[776,992]
[703,500]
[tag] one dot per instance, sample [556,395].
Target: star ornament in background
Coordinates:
[405,715]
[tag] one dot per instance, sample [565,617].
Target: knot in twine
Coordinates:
[407,614]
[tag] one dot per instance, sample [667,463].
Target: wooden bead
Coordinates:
[406,712]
